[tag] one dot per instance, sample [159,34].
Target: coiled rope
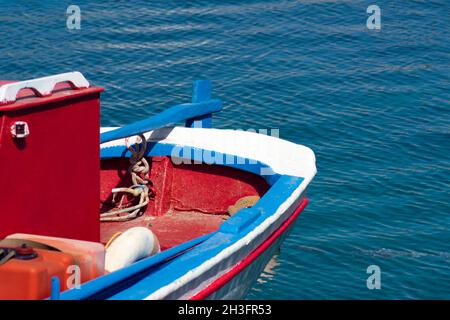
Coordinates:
[141,189]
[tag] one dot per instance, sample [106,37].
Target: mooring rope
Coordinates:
[138,170]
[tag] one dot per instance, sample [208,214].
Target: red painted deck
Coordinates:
[190,200]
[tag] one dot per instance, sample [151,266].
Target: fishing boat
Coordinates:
[164,208]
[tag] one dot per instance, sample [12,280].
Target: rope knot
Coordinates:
[138,169]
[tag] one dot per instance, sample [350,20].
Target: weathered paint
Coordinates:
[189,200]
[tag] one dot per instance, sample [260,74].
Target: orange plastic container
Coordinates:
[89,256]
[31,279]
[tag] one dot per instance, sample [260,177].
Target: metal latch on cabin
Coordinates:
[20,130]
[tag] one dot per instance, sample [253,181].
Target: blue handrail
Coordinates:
[200,108]
[107,281]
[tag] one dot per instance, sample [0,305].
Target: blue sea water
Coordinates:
[373,105]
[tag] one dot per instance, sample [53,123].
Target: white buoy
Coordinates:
[132,245]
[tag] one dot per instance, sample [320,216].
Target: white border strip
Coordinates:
[44,86]
[282,156]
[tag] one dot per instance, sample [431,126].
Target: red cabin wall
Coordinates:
[49,181]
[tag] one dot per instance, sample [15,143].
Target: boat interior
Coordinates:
[185,200]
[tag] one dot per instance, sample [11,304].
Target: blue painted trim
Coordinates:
[55,289]
[200,122]
[195,155]
[176,268]
[88,289]
[201,92]
[169,116]
[241,221]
